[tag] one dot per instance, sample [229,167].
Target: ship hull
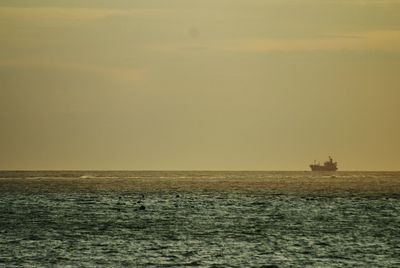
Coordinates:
[322,168]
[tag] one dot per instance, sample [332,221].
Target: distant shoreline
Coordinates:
[313,183]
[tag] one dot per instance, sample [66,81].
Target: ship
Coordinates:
[327,166]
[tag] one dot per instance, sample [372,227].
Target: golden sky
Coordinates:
[211,84]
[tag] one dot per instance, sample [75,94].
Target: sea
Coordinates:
[199,219]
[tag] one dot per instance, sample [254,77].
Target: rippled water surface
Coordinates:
[72,226]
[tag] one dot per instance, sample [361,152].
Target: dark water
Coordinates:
[56,227]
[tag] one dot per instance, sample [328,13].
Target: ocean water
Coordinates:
[199,219]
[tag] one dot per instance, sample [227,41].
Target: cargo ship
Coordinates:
[327,166]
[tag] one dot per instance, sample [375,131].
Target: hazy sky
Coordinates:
[199,84]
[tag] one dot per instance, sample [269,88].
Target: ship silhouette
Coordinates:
[327,166]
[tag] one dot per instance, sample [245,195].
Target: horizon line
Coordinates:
[182,170]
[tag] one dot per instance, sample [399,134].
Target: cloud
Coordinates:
[74,13]
[55,13]
[130,75]
[339,2]
[382,2]
[385,40]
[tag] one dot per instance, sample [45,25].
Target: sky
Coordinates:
[199,85]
